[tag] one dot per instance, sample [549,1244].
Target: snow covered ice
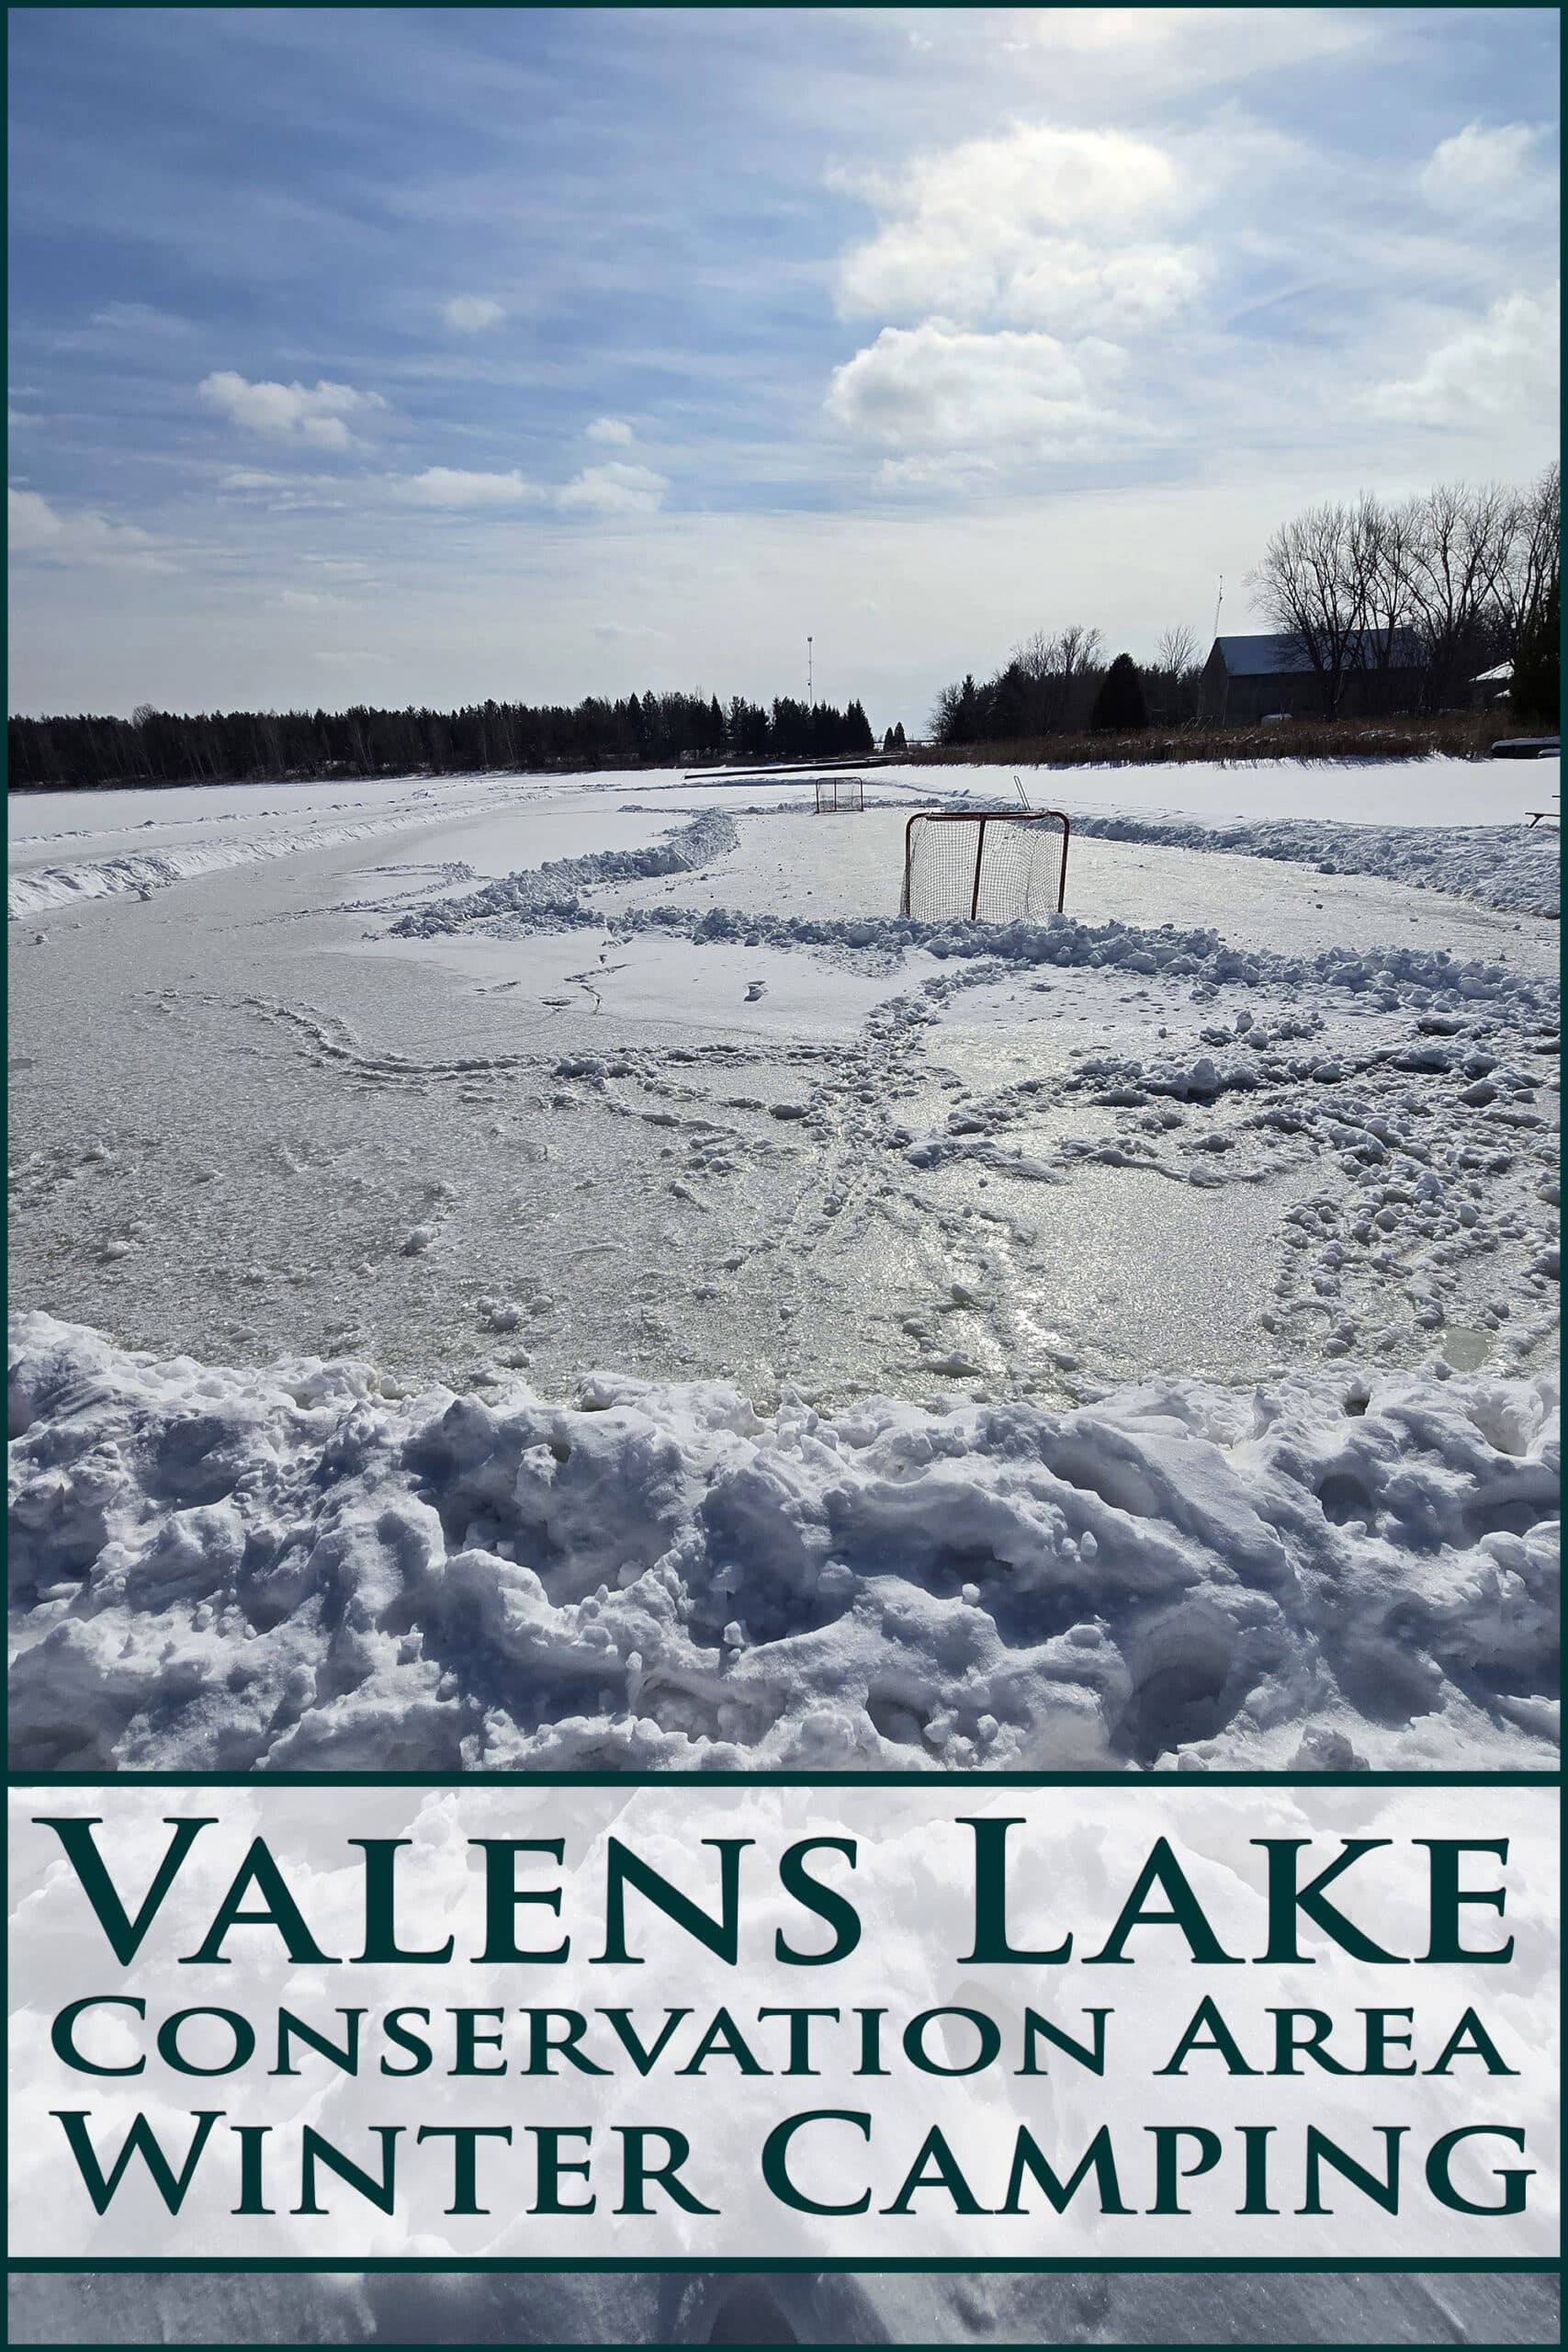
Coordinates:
[559,1273]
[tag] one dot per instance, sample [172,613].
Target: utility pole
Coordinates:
[810,696]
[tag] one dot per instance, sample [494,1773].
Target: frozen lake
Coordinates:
[616,1296]
[237,1099]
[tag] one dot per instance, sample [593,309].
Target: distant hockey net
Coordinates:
[835,792]
[991,866]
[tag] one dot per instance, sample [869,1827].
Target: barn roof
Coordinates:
[1273,656]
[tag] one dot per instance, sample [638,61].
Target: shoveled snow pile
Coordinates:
[1198,958]
[1509,867]
[34,888]
[545,898]
[293,1568]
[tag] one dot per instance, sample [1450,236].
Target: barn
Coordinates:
[1248,678]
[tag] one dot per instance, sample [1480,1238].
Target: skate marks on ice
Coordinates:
[1023,1177]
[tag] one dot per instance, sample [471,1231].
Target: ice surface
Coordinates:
[795,863]
[706,1125]
[677,1100]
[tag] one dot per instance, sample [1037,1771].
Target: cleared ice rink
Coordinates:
[612,1295]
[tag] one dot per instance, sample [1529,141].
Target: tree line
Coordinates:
[1470,574]
[1464,571]
[243,746]
[1055,685]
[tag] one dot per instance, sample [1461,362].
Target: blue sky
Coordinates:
[421,355]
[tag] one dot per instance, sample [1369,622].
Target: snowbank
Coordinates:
[292,1568]
[144,871]
[544,898]
[1441,790]
[1507,867]
[1199,959]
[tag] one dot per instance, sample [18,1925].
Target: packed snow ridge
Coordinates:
[144,871]
[299,1568]
[1508,866]
[545,898]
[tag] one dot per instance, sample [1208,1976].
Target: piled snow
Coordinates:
[144,871]
[1198,959]
[545,898]
[296,1568]
[1441,790]
[1508,866]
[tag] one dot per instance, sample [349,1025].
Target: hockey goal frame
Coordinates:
[840,796]
[980,818]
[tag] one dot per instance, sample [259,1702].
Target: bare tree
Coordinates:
[1170,680]
[1055,666]
[1384,536]
[1036,656]
[1177,650]
[1312,584]
[1463,543]
[1535,557]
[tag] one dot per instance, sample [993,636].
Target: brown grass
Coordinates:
[1464,734]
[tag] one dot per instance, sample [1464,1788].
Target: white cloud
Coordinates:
[289,411]
[35,528]
[18,417]
[1115,56]
[615,489]
[613,432]
[284,493]
[350,660]
[450,486]
[303,600]
[620,632]
[1036,227]
[467,314]
[1504,366]
[939,386]
[1480,166]
[139,319]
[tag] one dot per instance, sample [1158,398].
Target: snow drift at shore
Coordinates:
[37,888]
[1508,866]
[295,1569]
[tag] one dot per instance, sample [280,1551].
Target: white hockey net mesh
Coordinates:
[835,792]
[996,867]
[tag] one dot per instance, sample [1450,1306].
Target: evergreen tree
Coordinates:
[1010,706]
[900,742]
[1119,706]
[1535,691]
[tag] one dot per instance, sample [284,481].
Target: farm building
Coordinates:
[1249,678]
